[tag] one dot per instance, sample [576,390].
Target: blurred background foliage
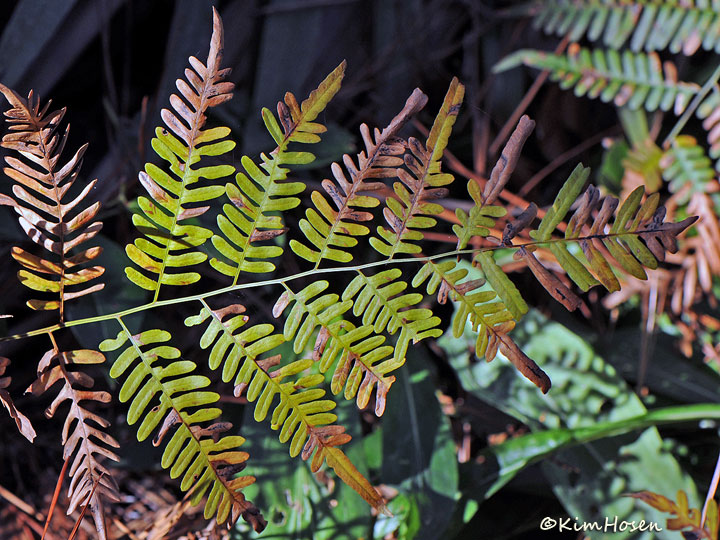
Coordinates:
[466,449]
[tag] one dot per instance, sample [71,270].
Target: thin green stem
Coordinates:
[283,280]
[704,91]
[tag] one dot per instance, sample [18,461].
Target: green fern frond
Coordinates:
[421,183]
[169,244]
[687,168]
[263,190]
[91,483]
[629,79]
[332,232]
[206,460]
[299,408]
[487,314]
[652,25]
[381,302]
[358,354]
[637,238]
[301,415]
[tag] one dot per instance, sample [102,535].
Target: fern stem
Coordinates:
[699,97]
[283,280]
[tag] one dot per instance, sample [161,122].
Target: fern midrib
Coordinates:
[571,65]
[195,127]
[279,281]
[170,400]
[414,203]
[47,164]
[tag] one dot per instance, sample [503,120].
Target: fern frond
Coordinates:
[487,314]
[381,303]
[169,244]
[358,354]
[332,232]
[421,183]
[637,238]
[206,460]
[91,483]
[49,218]
[687,168]
[263,190]
[301,415]
[629,79]
[709,113]
[23,424]
[652,25]
[483,213]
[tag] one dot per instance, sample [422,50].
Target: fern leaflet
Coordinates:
[358,354]
[381,302]
[652,25]
[488,316]
[638,237]
[42,214]
[687,168]
[91,482]
[629,79]
[483,213]
[263,190]
[168,242]
[206,460]
[421,183]
[301,415]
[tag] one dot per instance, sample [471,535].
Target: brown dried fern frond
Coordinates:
[23,424]
[91,482]
[48,214]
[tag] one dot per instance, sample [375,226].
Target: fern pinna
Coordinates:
[349,337]
[58,222]
[169,245]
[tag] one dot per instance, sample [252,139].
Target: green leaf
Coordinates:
[588,418]
[679,27]
[168,242]
[607,75]
[163,391]
[263,190]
